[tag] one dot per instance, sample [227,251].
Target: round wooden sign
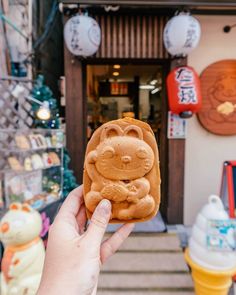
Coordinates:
[218,84]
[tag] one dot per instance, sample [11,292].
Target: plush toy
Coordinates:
[23,258]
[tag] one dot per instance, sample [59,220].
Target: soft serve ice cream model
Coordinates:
[212,270]
[24,253]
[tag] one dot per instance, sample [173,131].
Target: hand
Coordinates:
[74,257]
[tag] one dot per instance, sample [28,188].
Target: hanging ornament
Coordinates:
[181,34]
[184,93]
[82,35]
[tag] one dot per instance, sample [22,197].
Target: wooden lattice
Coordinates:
[15,108]
[15,112]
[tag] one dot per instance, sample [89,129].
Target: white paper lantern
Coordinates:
[82,35]
[181,34]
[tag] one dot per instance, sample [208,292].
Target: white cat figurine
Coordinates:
[24,253]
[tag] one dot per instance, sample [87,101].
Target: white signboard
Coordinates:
[176,126]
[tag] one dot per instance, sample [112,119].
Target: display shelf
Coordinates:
[25,171]
[31,166]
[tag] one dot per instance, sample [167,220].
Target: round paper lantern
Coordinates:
[82,35]
[181,34]
[184,93]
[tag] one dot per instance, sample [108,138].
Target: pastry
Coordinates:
[41,141]
[22,142]
[47,160]
[122,165]
[48,141]
[28,164]
[37,162]
[15,164]
[55,159]
[33,141]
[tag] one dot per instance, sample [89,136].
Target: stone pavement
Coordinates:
[150,264]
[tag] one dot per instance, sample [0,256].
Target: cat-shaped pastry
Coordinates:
[123,168]
[24,252]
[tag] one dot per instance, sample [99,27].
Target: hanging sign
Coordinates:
[184,94]
[181,34]
[82,35]
[218,85]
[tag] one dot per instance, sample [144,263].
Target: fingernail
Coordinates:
[104,207]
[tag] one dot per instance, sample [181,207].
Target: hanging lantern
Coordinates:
[82,35]
[184,94]
[181,34]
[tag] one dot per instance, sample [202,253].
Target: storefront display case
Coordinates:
[31,166]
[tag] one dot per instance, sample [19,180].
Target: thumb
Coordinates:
[99,222]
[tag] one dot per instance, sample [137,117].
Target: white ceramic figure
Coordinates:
[23,258]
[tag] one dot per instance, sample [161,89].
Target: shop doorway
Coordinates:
[116,91]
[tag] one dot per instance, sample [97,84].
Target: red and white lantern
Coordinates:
[184,93]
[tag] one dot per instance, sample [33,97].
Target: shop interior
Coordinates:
[116,91]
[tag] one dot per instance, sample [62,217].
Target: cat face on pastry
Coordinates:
[123,154]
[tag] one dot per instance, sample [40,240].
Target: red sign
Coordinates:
[184,94]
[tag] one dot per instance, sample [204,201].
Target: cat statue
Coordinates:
[24,253]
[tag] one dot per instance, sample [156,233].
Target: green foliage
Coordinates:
[69,178]
[43,93]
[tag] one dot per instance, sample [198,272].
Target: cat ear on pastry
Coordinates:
[110,131]
[134,131]
[26,208]
[15,206]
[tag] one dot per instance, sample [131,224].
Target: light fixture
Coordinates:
[153,82]
[116,67]
[43,112]
[146,86]
[115,73]
[155,90]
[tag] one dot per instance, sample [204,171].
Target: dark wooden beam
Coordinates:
[76,114]
[159,3]
[176,160]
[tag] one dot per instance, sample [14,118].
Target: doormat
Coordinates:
[155,225]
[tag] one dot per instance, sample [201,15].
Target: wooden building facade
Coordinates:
[131,35]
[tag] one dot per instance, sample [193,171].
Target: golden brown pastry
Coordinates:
[15,164]
[122,165]
[22,142]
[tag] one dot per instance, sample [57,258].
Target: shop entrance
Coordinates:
[116,91]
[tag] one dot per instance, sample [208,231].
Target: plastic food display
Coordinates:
[23,258]
[31,166]
[212,270]
[122,165]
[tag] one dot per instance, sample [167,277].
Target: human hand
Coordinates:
[73,256]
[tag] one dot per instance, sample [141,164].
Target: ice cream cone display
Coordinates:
[211,254]
[209,282]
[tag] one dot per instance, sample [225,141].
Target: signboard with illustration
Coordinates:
[218,84]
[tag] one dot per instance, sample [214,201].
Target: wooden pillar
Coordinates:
[76,113]
[176,160]
[136,97]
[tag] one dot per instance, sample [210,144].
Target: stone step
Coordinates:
[142,262]
[149,281]
[144,292]
[148,242]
